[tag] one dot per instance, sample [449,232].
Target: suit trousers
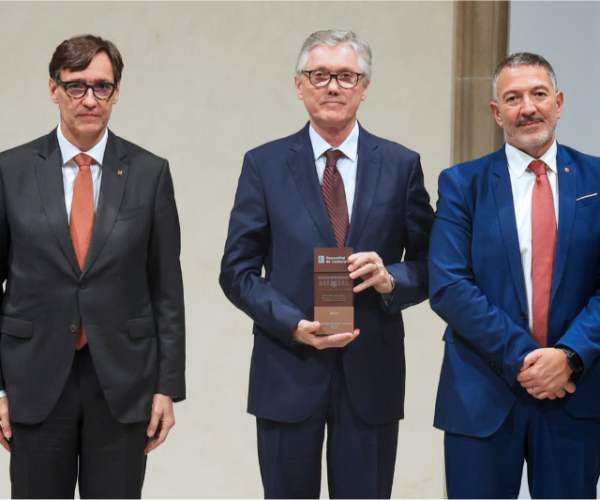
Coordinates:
[562,455]
[361,457]
[79,440]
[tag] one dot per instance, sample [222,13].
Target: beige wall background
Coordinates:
[203,83]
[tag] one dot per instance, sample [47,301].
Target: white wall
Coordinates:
[203,83]
[567,35]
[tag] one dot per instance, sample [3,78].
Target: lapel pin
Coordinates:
[567,170]
[119,172]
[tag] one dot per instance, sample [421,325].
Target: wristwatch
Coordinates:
[392,281]
[573,359]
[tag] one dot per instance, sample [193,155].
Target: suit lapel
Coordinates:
[508,226]
[301,162]
[567,187]
[49,176]
[112,188]
[367,177]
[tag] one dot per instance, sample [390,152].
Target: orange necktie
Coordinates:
[82,220]
[543,243]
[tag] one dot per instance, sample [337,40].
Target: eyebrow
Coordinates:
[336,71]
[520,91]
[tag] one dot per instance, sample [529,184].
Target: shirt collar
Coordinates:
[349,147]
[70,151]
[518,161]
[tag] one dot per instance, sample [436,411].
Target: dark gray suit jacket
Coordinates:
[129,293]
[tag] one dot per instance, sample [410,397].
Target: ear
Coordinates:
[560,97]
[298,85]
[365,88]
[115,96]
[496,112]
[53,90]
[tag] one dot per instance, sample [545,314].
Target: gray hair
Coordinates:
[523,59]
[333,38]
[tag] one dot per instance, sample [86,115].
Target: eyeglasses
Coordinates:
[76,90]
[322,77]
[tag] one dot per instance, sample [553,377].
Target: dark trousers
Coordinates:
[562,455]
[360,456]
[79,440]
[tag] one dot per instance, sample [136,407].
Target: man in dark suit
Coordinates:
[353,382]
[92,316]
[515,272]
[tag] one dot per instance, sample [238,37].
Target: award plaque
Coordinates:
[334,298]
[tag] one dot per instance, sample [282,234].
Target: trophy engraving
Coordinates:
[334,298]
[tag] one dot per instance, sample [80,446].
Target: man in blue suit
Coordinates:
[515,272]
[301,383]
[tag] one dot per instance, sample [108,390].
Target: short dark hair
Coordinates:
[76,54]
[523,59]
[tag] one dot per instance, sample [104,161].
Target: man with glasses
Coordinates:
[92,317]
[330,185]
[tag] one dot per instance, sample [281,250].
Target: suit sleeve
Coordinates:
[246,251]
[584,334]
[411,275]
[4,251]
[166,288]
[455,297]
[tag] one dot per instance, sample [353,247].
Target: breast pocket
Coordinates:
[587,199]
[386,208]
[130,213]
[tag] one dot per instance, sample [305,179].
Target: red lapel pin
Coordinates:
[119,172]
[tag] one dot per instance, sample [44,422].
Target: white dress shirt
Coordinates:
[70,168]
[347,164]
[522,180]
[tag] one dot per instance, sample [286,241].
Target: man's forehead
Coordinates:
[336,55]
[100,68]
[524,75]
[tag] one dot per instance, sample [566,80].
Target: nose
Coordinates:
[333,87]
[89,99]
[528,106]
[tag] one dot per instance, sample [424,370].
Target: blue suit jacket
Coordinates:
[477,287]
[278,218]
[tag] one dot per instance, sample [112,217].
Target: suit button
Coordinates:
[523,315]
[73,328]
[82,284]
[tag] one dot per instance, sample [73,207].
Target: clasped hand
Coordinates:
[545,374]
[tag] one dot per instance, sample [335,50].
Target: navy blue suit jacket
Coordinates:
[477,287]
[278,218]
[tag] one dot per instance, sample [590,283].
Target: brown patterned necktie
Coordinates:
[334,195]
[82,220]
[543,243]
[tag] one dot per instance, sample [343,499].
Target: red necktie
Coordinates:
[82,219]
[334,195]
[543,232]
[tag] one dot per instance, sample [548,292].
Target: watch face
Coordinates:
[575,362]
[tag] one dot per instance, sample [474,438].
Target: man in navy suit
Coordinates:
[515,272]
[353,382]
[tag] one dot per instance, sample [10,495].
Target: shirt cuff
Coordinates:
[3,394]
[387,299]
